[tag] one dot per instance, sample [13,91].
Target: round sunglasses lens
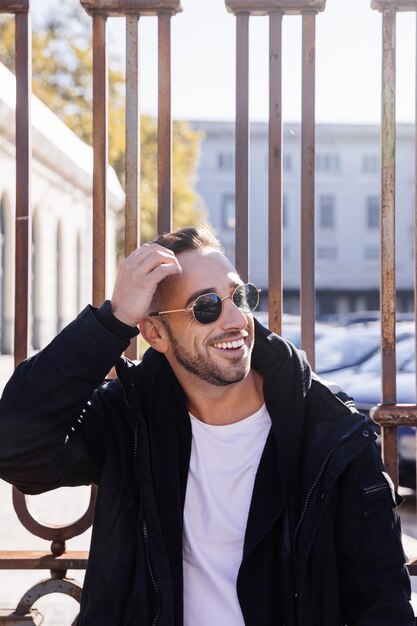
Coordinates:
[207,308]
[246,297]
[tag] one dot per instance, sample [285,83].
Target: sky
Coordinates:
[348,74]
[348,63]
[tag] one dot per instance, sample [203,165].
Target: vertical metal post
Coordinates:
[132,168]
[308,308]
[23,164]
[388,296]
[242,145]
[388,130]
[164,123]
[100,144]
[275,292]
[415,223]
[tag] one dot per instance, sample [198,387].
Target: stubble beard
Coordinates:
[205,368]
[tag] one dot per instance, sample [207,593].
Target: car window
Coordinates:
[344,350]
[404,351]
[410,365]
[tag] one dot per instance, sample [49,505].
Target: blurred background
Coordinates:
[347,195]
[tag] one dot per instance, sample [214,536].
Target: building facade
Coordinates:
[347,210]
[61,223]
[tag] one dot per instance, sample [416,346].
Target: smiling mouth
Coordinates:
[229,345]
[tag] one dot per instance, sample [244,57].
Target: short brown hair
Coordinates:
[189,238]
[183,240]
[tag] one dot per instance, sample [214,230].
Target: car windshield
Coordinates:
[346,349]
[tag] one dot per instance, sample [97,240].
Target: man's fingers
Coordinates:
[165,269]
[146,261]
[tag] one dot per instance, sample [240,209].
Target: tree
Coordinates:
[62,79]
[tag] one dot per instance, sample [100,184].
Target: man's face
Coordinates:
[218,353]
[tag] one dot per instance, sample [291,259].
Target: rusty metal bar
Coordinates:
[415,231]
[22,560]
[398,5]
[242,146]
[14,6]
[415,227]
[308,307]
[275,293]
[265,7]
[132,169]
[100,144]
[56,533]
[395,414]
[121,8]
[9,618]
[132,136]
[164,123]
[23,164]
[388,136]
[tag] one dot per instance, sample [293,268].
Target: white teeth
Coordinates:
[238,343]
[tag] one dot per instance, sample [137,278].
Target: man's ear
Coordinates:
[154,332]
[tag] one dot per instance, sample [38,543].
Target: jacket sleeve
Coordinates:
[52,424]
[375,585]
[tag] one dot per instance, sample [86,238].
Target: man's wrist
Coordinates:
[113,324]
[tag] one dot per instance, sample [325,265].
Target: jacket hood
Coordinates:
[287,381]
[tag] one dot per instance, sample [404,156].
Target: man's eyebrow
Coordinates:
[201,292]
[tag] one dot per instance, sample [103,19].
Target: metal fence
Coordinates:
[390,415]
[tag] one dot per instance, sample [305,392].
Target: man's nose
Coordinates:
[232,316]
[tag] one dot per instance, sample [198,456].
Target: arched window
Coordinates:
[36,281]
[78,278]
[60,279]
[6,277]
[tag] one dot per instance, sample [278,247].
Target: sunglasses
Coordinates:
[208,307]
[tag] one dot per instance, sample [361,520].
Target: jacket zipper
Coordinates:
[315,483]
[143,531]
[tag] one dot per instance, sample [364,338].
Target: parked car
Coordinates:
[346,348]
[405,347]
[365,387]
[342,347]
[291,327]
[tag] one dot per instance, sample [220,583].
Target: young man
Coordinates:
[234,487]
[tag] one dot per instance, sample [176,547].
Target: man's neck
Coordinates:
[226,404]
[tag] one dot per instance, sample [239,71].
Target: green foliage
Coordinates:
[62,79]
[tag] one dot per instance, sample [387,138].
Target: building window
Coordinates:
[327,211]
[328,163]
[225,161]
[327,253]
[371,253]
[370,163]
[228,210]
[372,212]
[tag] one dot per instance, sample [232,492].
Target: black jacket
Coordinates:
[322,544]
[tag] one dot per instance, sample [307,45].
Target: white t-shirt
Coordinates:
[223,465]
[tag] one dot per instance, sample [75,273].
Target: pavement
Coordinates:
[58,507]
[68,504]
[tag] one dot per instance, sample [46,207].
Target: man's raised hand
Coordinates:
[137,279]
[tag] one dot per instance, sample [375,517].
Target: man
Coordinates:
[234,487]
